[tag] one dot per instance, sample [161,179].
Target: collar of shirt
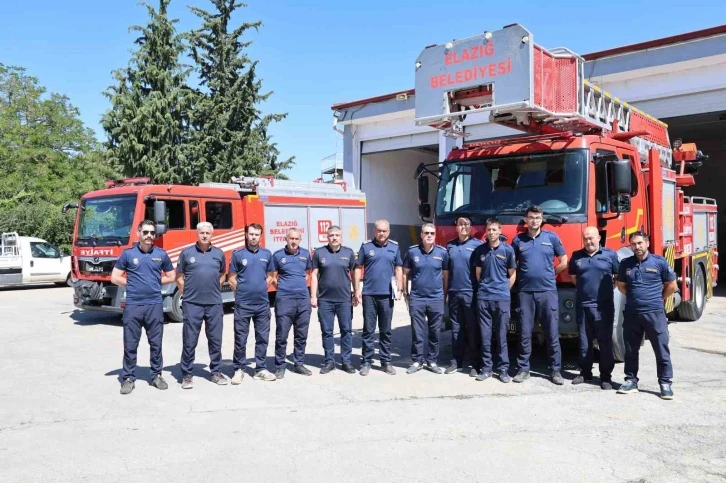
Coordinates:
[199,249]
[138,246]
[596,252]
[293,254]
[330,249]
[423,250]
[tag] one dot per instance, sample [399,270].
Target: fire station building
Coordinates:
[680,80]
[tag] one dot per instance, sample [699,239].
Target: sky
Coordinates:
[313,53]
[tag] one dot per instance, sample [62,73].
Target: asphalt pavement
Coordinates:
[62,417]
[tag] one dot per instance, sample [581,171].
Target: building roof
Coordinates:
[625,49]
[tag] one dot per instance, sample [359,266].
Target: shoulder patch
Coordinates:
[443,248]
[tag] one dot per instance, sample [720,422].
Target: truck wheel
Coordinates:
[618,340]
[67,283]
[691,311]
[176,314]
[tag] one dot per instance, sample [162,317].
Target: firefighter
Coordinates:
[535,250]
[143,269]
[199,276]
[291,266]
[465,335]
[426,265]
[593,270]
[248,278]
[381,260]
[330,289]
[496,271]
[647,281]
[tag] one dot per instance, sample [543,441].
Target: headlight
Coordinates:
[566,317]
[569,304]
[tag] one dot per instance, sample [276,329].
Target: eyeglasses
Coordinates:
[463,224]
[148,232]
[429,233]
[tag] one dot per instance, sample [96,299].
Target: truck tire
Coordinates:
[693,309]
[618,340]
[176,314]
[67,283]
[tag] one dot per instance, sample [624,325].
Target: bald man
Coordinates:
[593,269]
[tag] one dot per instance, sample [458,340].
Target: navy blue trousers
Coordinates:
[377,308]
[260,315]
[465,334]
[596,323]
[291,313]
[426,317]
[494,324]
[544,306]
[151,318]
[327,311]
[655,326]
[194,315]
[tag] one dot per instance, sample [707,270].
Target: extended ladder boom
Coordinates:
[527,87]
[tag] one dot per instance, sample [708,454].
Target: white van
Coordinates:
[26,259]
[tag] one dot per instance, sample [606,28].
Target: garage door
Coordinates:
[685,105]
[400,142]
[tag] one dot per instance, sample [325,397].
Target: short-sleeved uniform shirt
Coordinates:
[535,260]
[251,268]
[291,271]
[644,282]
[143,274]
[201,269]
[334,269]
[462,277]
[495,264]
[378,262]
[426,271]
[594,275]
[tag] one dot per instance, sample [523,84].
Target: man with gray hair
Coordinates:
[200,275]
[330,293]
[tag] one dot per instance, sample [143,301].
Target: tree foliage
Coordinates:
[160,127]
[47,158]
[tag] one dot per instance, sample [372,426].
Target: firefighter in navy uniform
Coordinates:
[465,335]
[291,266]
[330,292]
[248,278]
[140,270]
[381,260]
[647,281]
[593,269]
[496,271]
[200,274]
[535,250]
[426,265]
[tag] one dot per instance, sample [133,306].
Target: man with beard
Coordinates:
[647,281]
[248,278]
[140,270]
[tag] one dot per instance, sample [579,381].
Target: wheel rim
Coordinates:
[699,292]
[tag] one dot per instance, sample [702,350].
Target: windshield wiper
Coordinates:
[87,239]
[557,218]
[113,238]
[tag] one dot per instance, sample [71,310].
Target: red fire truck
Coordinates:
[106,224]
[585,157]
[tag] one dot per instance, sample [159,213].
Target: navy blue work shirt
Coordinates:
[462,277]
[426,271]
[251,268]
[378,262]
[594,275]
[291,271]
[201,269]
[645,281]
[143,274]
[535,260]
[334,269]
[495,264]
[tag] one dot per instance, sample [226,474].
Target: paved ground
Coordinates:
[62,418]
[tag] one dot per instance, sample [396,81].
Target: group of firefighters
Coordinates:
[475,277]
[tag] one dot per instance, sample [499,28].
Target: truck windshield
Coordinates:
[508,185]
[106,220]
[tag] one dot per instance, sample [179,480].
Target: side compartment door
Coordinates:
[322,218]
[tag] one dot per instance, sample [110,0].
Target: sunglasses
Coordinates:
[429,233]
[148,232]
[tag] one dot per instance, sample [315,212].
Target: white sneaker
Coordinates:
[264,375]
[239,374]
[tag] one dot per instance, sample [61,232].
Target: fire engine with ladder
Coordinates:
[585,157]
[107,220]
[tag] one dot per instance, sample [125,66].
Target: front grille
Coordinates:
[98,267]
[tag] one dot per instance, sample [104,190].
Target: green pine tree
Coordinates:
[149,122]
[232,135]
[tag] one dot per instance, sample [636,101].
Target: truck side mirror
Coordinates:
[423,190]
[160,217]
[67,207]
[621,184]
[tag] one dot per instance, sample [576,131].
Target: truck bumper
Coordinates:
[567,314]
[109,298]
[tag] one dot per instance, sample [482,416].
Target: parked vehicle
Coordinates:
[29,260]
